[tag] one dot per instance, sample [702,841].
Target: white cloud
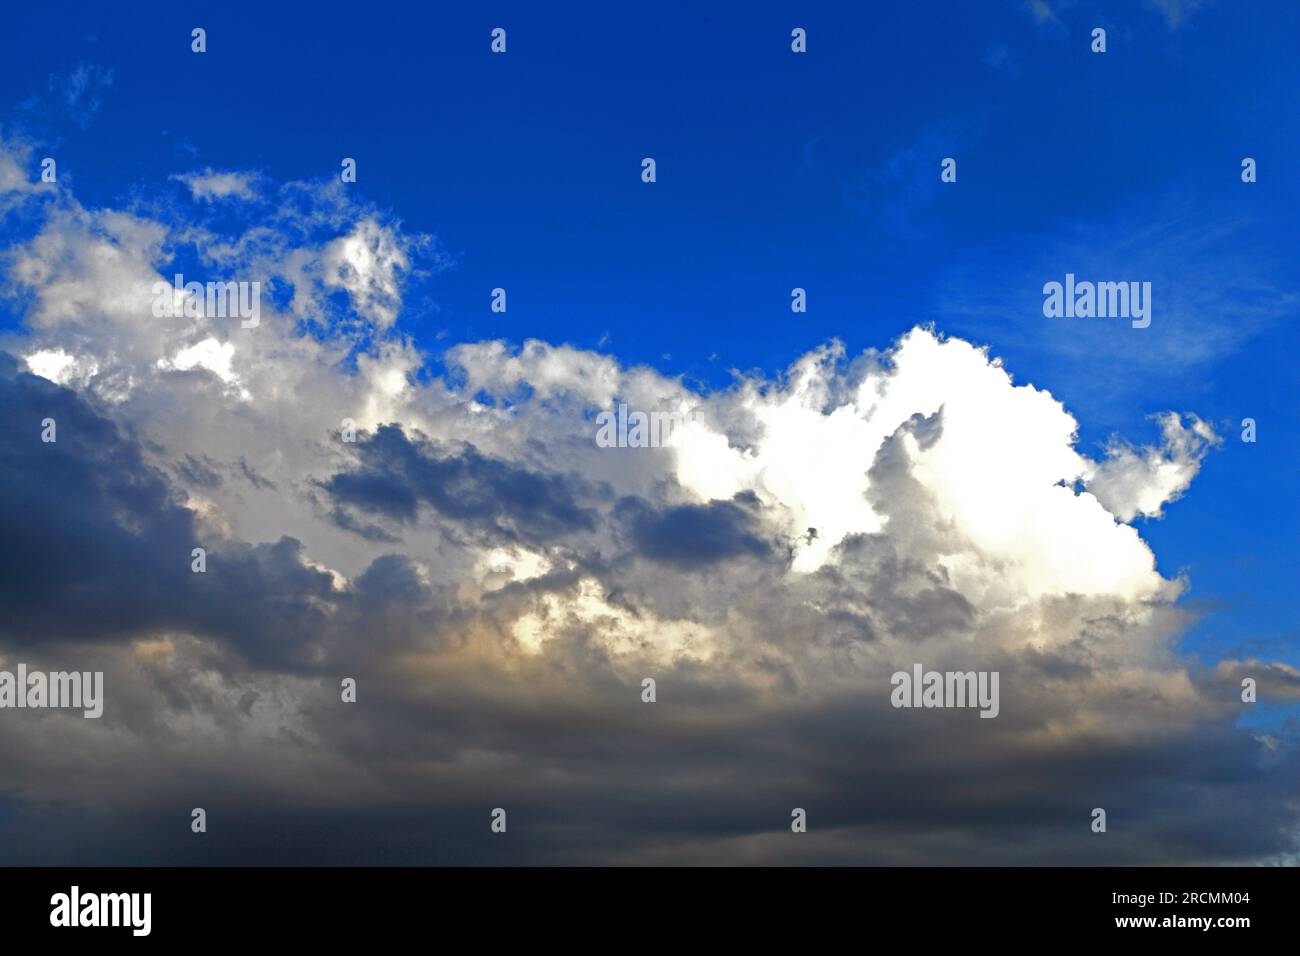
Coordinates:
[16,182]
[367,263]
[1141,481]
[53,364]
[210,185]
[216,357]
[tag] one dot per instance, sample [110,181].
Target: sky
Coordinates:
[922,467]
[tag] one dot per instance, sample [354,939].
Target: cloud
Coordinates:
[1045,13]
[210,185]
[499,586]
[80,90]
[899,191]
[208,354]
[1140,481]
[999,59]
[1176,12]
[1214,289]
[15,157]
[367,263]
[398,474]
[1274,679]
[105,542]
[693,535]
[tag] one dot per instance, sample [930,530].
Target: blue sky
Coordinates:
[777,170]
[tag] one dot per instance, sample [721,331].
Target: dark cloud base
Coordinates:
[709,795]
[446,728]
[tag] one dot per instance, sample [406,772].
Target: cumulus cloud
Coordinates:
[19,176]
[499,586]
[1140,481]
[368,263]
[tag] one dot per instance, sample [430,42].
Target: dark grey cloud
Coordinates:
[98,545]
[198,471]
[695,536]
[253,478]
[395,474]
[709,774]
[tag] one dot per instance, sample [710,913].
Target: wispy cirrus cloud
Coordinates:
[1214,289]
[1176,12]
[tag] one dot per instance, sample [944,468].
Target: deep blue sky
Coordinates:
[778,170]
